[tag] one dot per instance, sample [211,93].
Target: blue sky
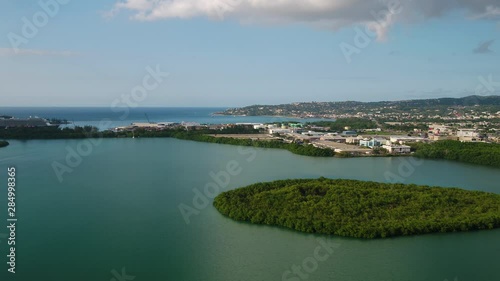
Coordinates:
[92,52]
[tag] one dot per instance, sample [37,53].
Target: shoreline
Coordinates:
[4,144]
[482,154]
[256,145]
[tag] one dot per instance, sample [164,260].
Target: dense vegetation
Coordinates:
[27,133]
[406,127]
[469,152]
[341,123]
[199,135]
[3,143]
[361,209]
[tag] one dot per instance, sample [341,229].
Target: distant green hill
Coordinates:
[434,106]
[361,209]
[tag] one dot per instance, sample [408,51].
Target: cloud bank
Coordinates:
[378,15]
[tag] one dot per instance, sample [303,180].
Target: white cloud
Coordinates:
[491,12]
[331,14]
[8,52]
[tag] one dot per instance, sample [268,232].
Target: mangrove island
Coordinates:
[361,209]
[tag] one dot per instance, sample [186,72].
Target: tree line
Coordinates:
[361,209]
[468,152]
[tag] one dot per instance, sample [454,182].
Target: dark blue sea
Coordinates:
[94,116]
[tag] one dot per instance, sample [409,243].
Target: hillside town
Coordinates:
[470,108]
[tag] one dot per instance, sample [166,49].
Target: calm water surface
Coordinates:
[118,209]
[115,117]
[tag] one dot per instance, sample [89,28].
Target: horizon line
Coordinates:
[149,106]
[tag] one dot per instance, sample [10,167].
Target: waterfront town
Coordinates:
[350,140]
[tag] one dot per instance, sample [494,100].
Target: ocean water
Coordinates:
[125,116]
[116,211]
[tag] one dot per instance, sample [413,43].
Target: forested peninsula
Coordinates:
[468,152]
[361,209]
[3,143]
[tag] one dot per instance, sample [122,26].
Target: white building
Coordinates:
[354,140]
[259,126]
[472,133]
[373,130]
[438,129]
[397,149]
[405,139]
[148,125]
[314,134]
[371,143]
[338,139]
[279,131]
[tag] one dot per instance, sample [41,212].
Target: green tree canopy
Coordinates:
[361,209]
